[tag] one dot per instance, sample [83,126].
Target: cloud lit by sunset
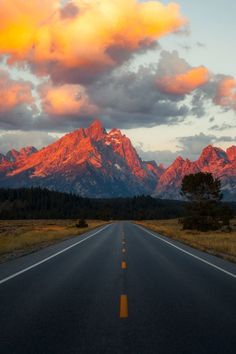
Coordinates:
[13,93]
[66,100]
[82,33]
[184,83]
[226,93]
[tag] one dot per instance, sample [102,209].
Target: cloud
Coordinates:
[226,93]
[188,147]
[17,104]
[170,64]
[130,99]
[165,157]
[191,146]
[17,140]
[223,126]
[66,100]
[185,83]
[121,98]
[83,35]
[13,93]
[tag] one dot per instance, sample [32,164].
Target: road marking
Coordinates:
[50,257]
[123,242]
[124,265]
[189,253]
[123,250]
[123,306]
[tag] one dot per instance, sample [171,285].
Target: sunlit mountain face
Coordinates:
[95,163]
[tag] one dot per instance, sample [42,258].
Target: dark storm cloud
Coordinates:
[18,118]
[131,99]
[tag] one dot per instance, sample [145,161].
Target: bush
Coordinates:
[82,224]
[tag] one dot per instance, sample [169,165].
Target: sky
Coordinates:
[162,72]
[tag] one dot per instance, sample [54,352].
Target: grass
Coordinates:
[19,237]
[218,243]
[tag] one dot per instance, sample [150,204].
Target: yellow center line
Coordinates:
[123,306]
[124,265]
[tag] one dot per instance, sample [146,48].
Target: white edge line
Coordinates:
[188,253]
[50,257]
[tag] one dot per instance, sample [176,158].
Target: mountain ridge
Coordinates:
[94,163]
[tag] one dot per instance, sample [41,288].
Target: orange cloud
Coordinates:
[226,93]
[81,33]
[66,100]
[13,93]
[183,84]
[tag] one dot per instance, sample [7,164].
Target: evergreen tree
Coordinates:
[205,210]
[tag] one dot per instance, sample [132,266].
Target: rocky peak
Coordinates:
[115,133]
[154,168]
[27,151]
[231,153]
[2,158]
[12,155]
[96,131]
[179,161]
[211,155]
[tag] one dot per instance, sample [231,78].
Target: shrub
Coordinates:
[82,224]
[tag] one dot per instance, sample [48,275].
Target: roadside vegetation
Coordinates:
[19,237]
[219,243]
[34,218]
[208,224]
[204,209]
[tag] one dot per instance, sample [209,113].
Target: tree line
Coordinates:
[38,203]
[201,208]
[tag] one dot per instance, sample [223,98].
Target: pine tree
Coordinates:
[205,210]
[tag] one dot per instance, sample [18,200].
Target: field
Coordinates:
[218,243]
[21,237]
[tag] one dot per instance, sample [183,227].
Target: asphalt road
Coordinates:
[120,290]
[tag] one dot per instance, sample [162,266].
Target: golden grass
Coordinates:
[218,243]
[25,236]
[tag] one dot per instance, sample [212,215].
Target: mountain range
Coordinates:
[95,163]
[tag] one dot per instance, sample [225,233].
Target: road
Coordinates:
[120,289]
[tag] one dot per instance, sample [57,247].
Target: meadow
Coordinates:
[218,243]
[19,237]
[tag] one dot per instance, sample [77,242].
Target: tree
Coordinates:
[205,210]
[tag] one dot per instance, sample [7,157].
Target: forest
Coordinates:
[37,203]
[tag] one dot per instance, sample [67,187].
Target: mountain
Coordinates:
[212,159]
[94,163]
[89,161]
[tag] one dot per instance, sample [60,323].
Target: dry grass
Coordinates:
[22,237]
[222,244]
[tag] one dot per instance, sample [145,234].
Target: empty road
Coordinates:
[118,289]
